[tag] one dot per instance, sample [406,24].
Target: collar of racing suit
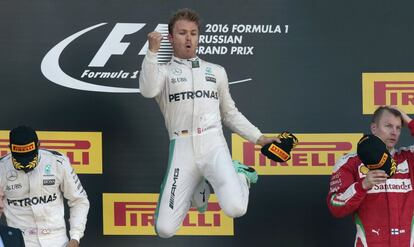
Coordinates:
[187,62]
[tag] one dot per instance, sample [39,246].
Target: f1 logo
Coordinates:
[113,44]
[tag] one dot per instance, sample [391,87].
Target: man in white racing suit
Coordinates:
[35,184]
[194,98]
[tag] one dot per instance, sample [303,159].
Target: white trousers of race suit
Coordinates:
[191,159]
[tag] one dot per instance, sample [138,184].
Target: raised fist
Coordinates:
[154,41]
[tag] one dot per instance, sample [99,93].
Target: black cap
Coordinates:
[280,152]
[373,152]
[23,144]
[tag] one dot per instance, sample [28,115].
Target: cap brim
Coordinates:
[24,159]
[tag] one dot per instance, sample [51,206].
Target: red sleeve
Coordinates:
[411,127]
[345,193]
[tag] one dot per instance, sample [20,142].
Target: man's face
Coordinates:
[184,39]
[388,129]
[1,201]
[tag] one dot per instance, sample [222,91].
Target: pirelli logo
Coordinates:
[134,214]
[387,89]
[23,148]
[380,164]
[315,154]
[278,152]
[84,149]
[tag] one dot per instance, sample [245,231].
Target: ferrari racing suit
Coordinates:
[194,98]
[34,200]
[383,215]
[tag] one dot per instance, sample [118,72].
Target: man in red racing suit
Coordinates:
[382,207]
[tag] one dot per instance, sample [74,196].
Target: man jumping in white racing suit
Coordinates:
[194,98]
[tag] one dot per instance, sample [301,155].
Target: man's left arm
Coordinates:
[77,201]
[231,116]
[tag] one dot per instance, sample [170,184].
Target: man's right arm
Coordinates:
[407,120]
[345,193]
[152,77]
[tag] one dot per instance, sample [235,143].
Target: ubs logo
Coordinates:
[13,187]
